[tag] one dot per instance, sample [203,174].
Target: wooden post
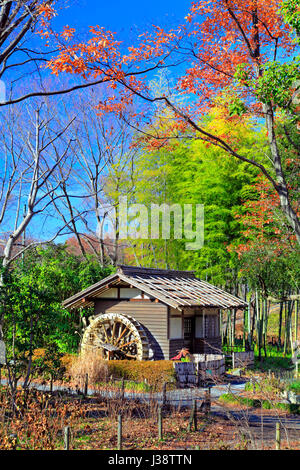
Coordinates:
[119,431]
[67,438]
[193,417]
[86,383]
[195,414]
[122,388]
[159,422]
[207,402]
[277,436]
[164,394]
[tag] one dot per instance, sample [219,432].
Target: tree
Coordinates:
[237,44]
[269,257]
[102,158]
[265,231]
[29,166]
[19,19]
[194,173]
[25,27]
[31,159]
[31,304]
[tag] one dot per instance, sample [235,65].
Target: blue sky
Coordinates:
[127,18]
[120,15]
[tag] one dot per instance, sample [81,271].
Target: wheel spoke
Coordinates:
[129,342]
[113,331]
[130,355]
[122,334]
[105,332]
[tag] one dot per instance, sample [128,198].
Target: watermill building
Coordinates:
[144,313]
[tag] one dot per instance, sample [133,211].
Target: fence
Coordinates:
[243,359]
[192,426]
[204,367]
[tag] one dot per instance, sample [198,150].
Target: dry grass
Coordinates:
[90,364]
[39,419]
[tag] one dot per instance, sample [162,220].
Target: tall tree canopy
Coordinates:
[194,173]
[248,46]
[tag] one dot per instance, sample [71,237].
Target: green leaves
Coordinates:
[32,298]
[277,82]
[291,13]
[237,107]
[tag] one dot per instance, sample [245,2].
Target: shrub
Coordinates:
[295,386]
[255,403]
[46,362]
[33,420]
[155,373]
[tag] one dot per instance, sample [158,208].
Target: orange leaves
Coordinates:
[218,38]
[45,14]
[67,33]
[151,46]
[46,10]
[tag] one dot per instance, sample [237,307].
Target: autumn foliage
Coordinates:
[263,224]
[217,39]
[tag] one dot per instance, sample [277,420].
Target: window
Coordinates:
[187,328]
[175,328]
[130,293]
[110,293]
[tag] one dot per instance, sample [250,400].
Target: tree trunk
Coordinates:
[281,186]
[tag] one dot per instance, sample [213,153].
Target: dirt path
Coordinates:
[259,426]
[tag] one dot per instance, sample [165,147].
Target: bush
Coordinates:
[295,386]
[47,363]
[155,373]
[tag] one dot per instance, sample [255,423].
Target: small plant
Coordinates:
[183,356]
[34,420]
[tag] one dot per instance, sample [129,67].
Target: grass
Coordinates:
[129,385]
[295,386]
[259,403]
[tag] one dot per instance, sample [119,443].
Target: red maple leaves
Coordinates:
[216,38]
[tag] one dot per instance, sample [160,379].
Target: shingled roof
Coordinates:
[178,289]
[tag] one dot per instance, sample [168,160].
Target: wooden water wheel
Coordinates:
[116,336]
